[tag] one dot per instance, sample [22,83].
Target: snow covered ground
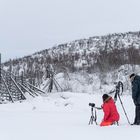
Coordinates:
[63,116]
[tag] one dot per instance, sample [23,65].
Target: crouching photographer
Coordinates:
[111,114]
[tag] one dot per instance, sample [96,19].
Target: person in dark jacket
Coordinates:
[111,114]
[135,80]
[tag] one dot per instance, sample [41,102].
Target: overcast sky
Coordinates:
[27,26]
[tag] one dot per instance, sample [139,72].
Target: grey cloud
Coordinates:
[31,25]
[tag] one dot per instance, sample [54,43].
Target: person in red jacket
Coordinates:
[111,114]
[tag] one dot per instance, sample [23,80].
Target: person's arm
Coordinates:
[106,112]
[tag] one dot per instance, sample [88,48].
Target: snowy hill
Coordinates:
[101,58]
[121,48]
[63,116]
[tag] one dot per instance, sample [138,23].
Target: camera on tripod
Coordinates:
[93,117]
[92,104]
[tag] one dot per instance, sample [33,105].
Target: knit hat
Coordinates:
[132,75]
[105,97]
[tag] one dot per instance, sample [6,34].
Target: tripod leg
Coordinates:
[90,121]
[123,109]
[93,118]
[96,123]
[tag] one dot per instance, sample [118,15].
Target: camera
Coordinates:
[92,104]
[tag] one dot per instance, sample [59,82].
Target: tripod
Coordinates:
[93,117]
[117,94]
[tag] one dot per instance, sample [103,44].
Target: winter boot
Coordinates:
[137,116]
[115,123]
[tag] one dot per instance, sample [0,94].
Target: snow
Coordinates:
[63,116]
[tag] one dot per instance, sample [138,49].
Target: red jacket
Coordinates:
[110,111]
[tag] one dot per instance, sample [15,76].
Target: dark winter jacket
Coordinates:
[136,90]
[110,111]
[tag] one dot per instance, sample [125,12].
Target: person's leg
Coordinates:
[104,123]
[138,115]
[135,120]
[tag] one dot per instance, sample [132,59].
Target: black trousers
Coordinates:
[137,115]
